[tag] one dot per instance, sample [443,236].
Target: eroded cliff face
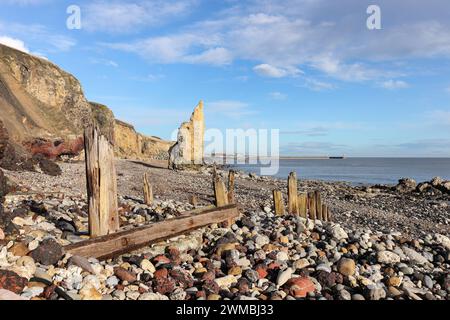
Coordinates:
[38,99]
[131,144]
[44,111]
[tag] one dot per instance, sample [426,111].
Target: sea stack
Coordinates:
[188,150]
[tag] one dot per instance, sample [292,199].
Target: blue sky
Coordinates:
[309,68]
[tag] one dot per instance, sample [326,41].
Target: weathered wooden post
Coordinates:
[292,194]
[101,183]
[312,205]
[278,202]
[324,212]
[318,205]
[193,200]
[231,178]
[220,192]
[148,191]
[303,205]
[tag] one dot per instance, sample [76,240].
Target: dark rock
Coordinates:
[211,287]
[243,286]
[182,277]
[406,185]
[48,253]
[328,280]
[12,281]
[49,167]
[64,225]
[4,189]
[164,285]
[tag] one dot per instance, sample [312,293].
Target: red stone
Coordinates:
[54,149]
[124,275]
[300,287]
[161,259]
[273,266]
[12,281]
[262,271]
[164,285]
[161,273]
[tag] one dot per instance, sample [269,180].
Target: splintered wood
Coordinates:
[148,191]
[112,245]
[292,193]
[231,178]
[278,202]
[101,183]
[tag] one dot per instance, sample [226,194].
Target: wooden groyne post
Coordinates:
[148,191]
[292,194]
[101,183]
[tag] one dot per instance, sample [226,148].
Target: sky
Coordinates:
[310,68]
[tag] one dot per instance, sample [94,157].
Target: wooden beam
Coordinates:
[148,191]
[278,203]
[231,178]
[292,194]
[303,205]
[112,245]
[101,183]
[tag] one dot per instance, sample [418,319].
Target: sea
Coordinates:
[361,171]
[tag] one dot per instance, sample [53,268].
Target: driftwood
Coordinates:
[292,193]
[148,191]
[278,202]
[112,245]
[101,183]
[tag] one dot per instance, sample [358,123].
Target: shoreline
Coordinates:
[382,243]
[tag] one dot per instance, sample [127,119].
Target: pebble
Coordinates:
[284,276]
[387,257]
[346,267]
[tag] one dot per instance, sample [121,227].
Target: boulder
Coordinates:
[48,253]
[52,149]
[406,185]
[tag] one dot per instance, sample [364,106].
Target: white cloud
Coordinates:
[282,37]
[270,71]
[278,95]
[394,84]
[38,36]
[14,43]
[123,17]
[25,2]
[105,62]
[318,85]
[229,108]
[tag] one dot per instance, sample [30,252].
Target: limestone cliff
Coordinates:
[130,144]
[43,110]
[38,99]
